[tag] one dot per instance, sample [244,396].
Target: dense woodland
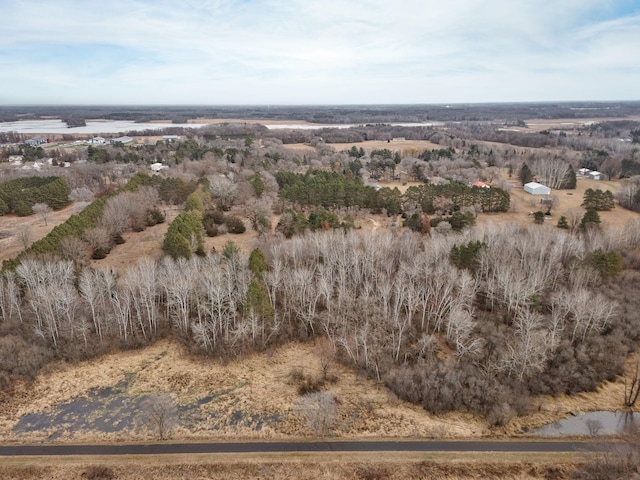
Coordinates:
[447,315]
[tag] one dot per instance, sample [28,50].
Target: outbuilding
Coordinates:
[535,188]
[595,175]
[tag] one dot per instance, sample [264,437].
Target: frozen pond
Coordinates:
[306,126]
[92,127]
[591,424]
[34,127]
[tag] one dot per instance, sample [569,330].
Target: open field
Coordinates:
[398,146]
[10,245]
[539,124]
[523,203]
[251,397]
[353,466]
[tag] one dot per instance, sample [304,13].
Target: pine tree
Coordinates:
[590,219]
[563,223]
[569,181]
[525,175]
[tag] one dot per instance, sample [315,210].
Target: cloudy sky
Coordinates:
[223,52]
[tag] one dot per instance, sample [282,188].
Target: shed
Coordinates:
[595,175]
[535,188]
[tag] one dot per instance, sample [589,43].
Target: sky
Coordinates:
[312,52]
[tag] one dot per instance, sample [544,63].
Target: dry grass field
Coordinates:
[251,397]
[302,466]
[10,245]
[399,146]
[523,203]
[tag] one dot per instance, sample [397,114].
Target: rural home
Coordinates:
[480,184]
[123,140]
[584,171]
[535,188]
[156,167]
[595,175]
[171,138]
[35,141]
[98,140]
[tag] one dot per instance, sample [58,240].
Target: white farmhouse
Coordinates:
[156,167]
[535,188]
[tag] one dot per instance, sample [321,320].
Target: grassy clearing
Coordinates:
[299,466]
[10,246]
[253,398]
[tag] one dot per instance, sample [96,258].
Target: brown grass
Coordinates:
[9,244]
[524,203]
[370,145]
[352,466]
[259,384]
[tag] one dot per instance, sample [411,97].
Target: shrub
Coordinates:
[98,472]
[538,217]
[235,224]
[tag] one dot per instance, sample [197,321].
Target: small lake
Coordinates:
[591,424]
[34,127]
[93,127]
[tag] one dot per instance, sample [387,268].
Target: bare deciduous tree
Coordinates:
[320,410]
[43,211]
[24,235]
[159,415]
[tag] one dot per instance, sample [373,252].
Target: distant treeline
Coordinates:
[76,115]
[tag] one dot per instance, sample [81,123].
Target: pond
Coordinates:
[92,127]
[591,424]
[122,126]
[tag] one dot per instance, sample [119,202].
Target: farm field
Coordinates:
[252,397]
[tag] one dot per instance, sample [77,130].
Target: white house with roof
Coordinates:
[35,141]
[595,175]
[535,188]
[156,167]
[97,140]
[124,140]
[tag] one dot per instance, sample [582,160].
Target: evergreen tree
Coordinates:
[569,181]
[563,223]
[538,217]
[525,175]
[591,218]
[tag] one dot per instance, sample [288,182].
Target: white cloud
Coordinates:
[335,51]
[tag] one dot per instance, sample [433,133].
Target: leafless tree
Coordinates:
[97,238]
[574,216]
[24,235]
[550,171]
[160,415]
[320,411]
[43,211]
[223,190]
[74,249]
